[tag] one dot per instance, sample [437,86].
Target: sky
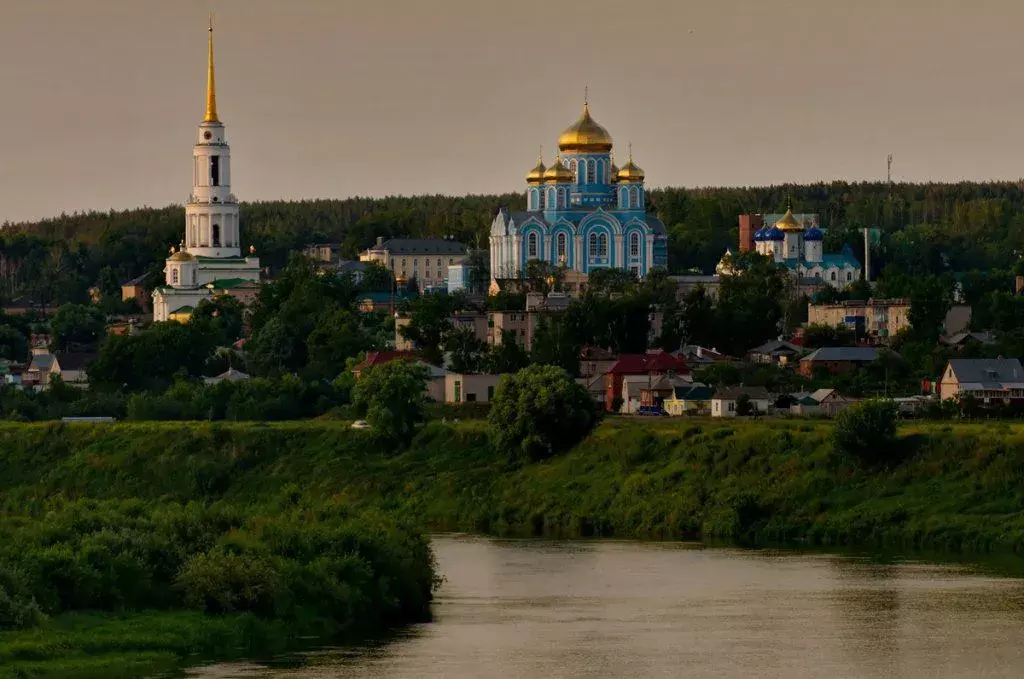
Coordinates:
[335,98]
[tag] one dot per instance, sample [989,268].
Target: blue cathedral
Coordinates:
[583,213]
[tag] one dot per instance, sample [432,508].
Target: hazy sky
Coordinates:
[334,98]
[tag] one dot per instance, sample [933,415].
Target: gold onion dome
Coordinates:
[788,222]
[558,172]
[630,172]
[585,135]
[536,175]
[181,256]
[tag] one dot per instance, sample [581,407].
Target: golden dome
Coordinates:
[585,135]
[630,172]
[558,172]
[788,222]
[181,256]
[536,175]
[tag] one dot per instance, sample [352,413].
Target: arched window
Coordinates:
[591,171]
[601,172]
[560,247]
[540,202]
[216,235]
[551,198]
[623,197]
[634,244]
[592,244]
[849,276]
[833,275]
[602,241]
[531,246]
[634,197]
[534,202]
[174,276]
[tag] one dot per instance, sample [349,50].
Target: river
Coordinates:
[524,609]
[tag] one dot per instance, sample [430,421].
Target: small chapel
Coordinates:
[209,260]
[583,212]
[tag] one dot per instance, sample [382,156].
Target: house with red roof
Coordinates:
[652,364]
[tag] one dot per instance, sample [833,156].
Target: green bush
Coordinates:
[540,411]
[867,431]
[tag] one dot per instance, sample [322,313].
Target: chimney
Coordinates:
[867,254]
[748,225]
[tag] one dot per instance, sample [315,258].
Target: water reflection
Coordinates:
[525,609]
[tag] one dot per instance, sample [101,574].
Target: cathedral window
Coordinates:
[591,171]
[634,197]
[561,245]
[598,245]
[214,170]
[531,246]
[634,244]
[215,237]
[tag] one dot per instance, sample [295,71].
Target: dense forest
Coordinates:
[925,229]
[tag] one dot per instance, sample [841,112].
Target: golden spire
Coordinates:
[211,88]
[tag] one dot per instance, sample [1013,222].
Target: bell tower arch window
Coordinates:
[214,170]
[215,235]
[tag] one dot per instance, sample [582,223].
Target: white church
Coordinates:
[209,260]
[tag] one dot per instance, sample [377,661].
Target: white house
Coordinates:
[723,403]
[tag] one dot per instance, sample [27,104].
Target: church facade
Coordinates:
[583,212]
[209,260]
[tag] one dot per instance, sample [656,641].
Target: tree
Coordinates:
[338,336]
[466,353]
[276,349]
[151,358]
[867,431]
[507,356]
[538,412]
[820,335]
[430,320]
[377,278]
[744,406]
[76,324]
[390,397]
[608,280]
[554,344]
[223,316]
[13,344]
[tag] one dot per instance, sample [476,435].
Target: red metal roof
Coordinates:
[380,357]
[641,364]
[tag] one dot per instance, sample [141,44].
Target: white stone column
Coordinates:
[517,245]
[620,259]
[650,253]
[579,253]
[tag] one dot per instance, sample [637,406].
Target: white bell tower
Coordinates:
[211,214]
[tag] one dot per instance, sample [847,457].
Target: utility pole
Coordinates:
[888,169]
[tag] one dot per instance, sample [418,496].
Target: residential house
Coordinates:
[136,289]
[648,390]
[651,364]
[698,356]
[989,380]
[229,375]
[777,352]
[723,403]
[71,367]
[595,361]
[828,402]
[37,375]
[837,360]
[521,325]
[435,389]
[466,388]
[595,387]
[381,301]
[693,399]
[964,339]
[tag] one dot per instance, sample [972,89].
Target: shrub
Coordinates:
[540,411]
[866,431]
[390,396]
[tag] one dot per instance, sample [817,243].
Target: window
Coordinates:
[214,170]
[458,391]
[591,171]
[849,276]
[215,235]
[470,398]
[174,276]
[561,245]
[426,274]
[439,261]
[193,276]
[490,393]
[634,197]
[403,263]
[531,246]
[551,198]
[833,275]
[635,270]
[634,244]
[598,245]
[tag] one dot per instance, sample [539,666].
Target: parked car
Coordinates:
[655,411]
[360,424]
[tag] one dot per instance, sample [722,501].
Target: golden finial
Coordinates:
[540,154]
[630,152]
[211,89]
[586,95]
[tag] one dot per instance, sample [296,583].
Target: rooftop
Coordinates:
[420,246]
[856,354]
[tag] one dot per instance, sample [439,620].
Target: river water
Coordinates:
[542,609]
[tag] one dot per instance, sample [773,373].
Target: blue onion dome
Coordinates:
[775,233]
[814,233]
[760,235]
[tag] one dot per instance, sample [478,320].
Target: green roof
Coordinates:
[224,260]
[380,297]
[228,283]
[183,310]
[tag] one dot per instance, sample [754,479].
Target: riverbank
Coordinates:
[957,487]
